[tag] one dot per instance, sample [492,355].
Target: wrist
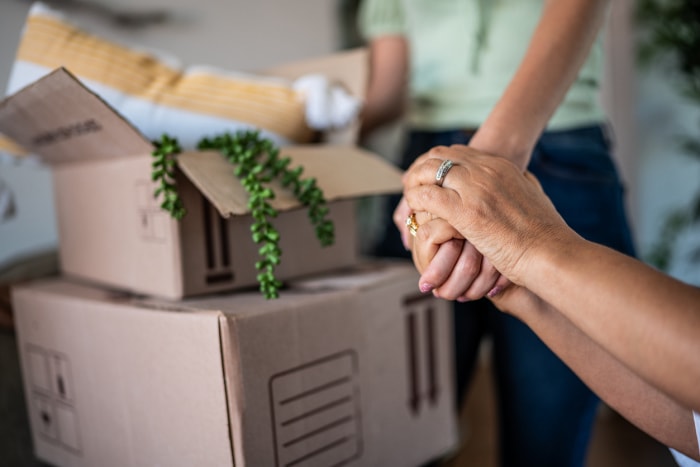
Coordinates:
[547,258]
[503,143]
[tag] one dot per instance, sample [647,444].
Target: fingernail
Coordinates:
[495,291]
[425,287]
[463,299]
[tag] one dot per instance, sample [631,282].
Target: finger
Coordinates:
[434,153]
[422,173]
[501,284]
[438,270]
[400,214]
[517,300]
[440,202]
[466,269]
[424,168]
[509,298]
[431,234]
[483,283]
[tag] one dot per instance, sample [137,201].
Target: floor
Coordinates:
[615,443]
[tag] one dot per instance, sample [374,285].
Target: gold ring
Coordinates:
[412,224]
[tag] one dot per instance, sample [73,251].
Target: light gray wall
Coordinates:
[234,34]
[669,178]
[33,226]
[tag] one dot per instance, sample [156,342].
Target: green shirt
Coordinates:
[465,52]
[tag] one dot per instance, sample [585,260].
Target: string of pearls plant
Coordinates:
[257,162]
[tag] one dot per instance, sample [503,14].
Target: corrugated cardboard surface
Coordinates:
[112,231]
[352,369]
[63,121]
[112,385]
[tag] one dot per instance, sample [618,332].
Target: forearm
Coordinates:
[646,407]
[558,48]
[644,318]
[388,82]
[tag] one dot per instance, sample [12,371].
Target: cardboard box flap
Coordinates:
[59,119]
[340,171]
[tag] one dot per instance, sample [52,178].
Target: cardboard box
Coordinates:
[352,369]
[111,229]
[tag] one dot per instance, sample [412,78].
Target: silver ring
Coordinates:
[442,171]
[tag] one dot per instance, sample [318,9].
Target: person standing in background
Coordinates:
[519,79]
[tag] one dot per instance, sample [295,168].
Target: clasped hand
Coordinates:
[476,229]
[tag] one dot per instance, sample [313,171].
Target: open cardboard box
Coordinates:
[111,228]
[350,369]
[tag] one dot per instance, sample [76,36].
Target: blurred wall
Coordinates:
[649,115]
[668,178]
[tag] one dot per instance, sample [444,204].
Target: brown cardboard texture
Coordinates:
[352,369]
[112,230]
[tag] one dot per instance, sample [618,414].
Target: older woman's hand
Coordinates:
[502,212]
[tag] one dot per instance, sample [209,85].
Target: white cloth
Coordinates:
[683,460]
[328,105]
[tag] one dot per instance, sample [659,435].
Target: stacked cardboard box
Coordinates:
[152,350]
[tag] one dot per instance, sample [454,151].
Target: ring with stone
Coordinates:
[442,171]
[412,224]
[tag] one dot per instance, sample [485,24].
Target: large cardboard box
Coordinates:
[111,229]
[352,369]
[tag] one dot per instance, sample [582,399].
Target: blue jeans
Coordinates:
[546,413]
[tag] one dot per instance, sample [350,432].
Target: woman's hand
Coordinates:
[453,269]
[502,212]
[450,267]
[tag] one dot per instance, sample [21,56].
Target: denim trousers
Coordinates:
[545,413]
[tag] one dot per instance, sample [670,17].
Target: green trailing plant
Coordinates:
[164,174]
[256,162]
[672,33]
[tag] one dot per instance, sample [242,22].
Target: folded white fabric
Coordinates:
[159,96]
[328,106]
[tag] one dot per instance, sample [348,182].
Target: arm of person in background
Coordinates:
[557,49]
[385,101]
[630,331]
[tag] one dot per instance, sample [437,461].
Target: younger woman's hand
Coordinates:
[450,267]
